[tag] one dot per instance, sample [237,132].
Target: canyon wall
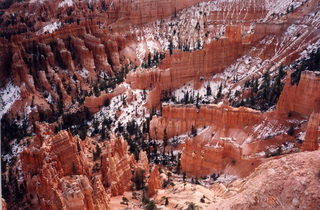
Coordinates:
[312,134]
[61,171]
[58,171]
[303,97]
[178,119]
[94,104]
[154,181]
[209,159]
[107,11]
[181,67]
[116,166]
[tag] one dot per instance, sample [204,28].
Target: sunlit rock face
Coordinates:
[116,166]
[93,67]
[302,97]
[56,169]
[312,133]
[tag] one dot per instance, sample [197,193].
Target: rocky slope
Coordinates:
[290,182]
[92,91]
[62,171]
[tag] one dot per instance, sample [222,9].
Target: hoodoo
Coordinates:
[159,104]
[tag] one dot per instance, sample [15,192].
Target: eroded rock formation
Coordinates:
[116,166]
[303,97]
[55,170]
[181,67]
[288,182]
[222,156]
[154,181]
[64,59]
[312,134]
[64,146]
[3,204]
[210,159]
[178,119]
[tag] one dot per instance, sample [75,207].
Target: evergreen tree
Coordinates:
[219,91]
[208,90]
[170,47]
[74,168]
[165,140]
[197,100]
[290,131]
[186,97]
[178,163]
[97,153]
[266,79]
[184,176]
[193,131]
[192,206]
[139,179]
[151,205]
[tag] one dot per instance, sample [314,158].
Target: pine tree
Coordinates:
[197,100]
[165,140]
[178,163]
[219,91]
[97,153]
[170,47]
[193,131]
[74,168]
[149,60]
[184,176]
[208,90]
[186,97]
[139,179]
[290,131]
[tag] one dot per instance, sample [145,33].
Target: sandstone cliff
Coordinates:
[178,119]
[116,166]
[289,182]
[226,135]
[56,169]
[3,204]
[210,159]
[154,181]
[302,98]
[312,134]
[63,61]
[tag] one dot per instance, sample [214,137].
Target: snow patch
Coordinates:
[268,128]
[8,95]
[16,148]
[310,48]
[226,178]
[301,135]
[129,111]
[189,29]
[50,99]
[279,8]
[84,73]
[68,2]
[51,27]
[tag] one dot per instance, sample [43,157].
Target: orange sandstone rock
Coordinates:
[311,139]
[181,67]
[3,204]
[178,119]
[64,146]
[209,159]
[154,181]
[116,166]
[303,98]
